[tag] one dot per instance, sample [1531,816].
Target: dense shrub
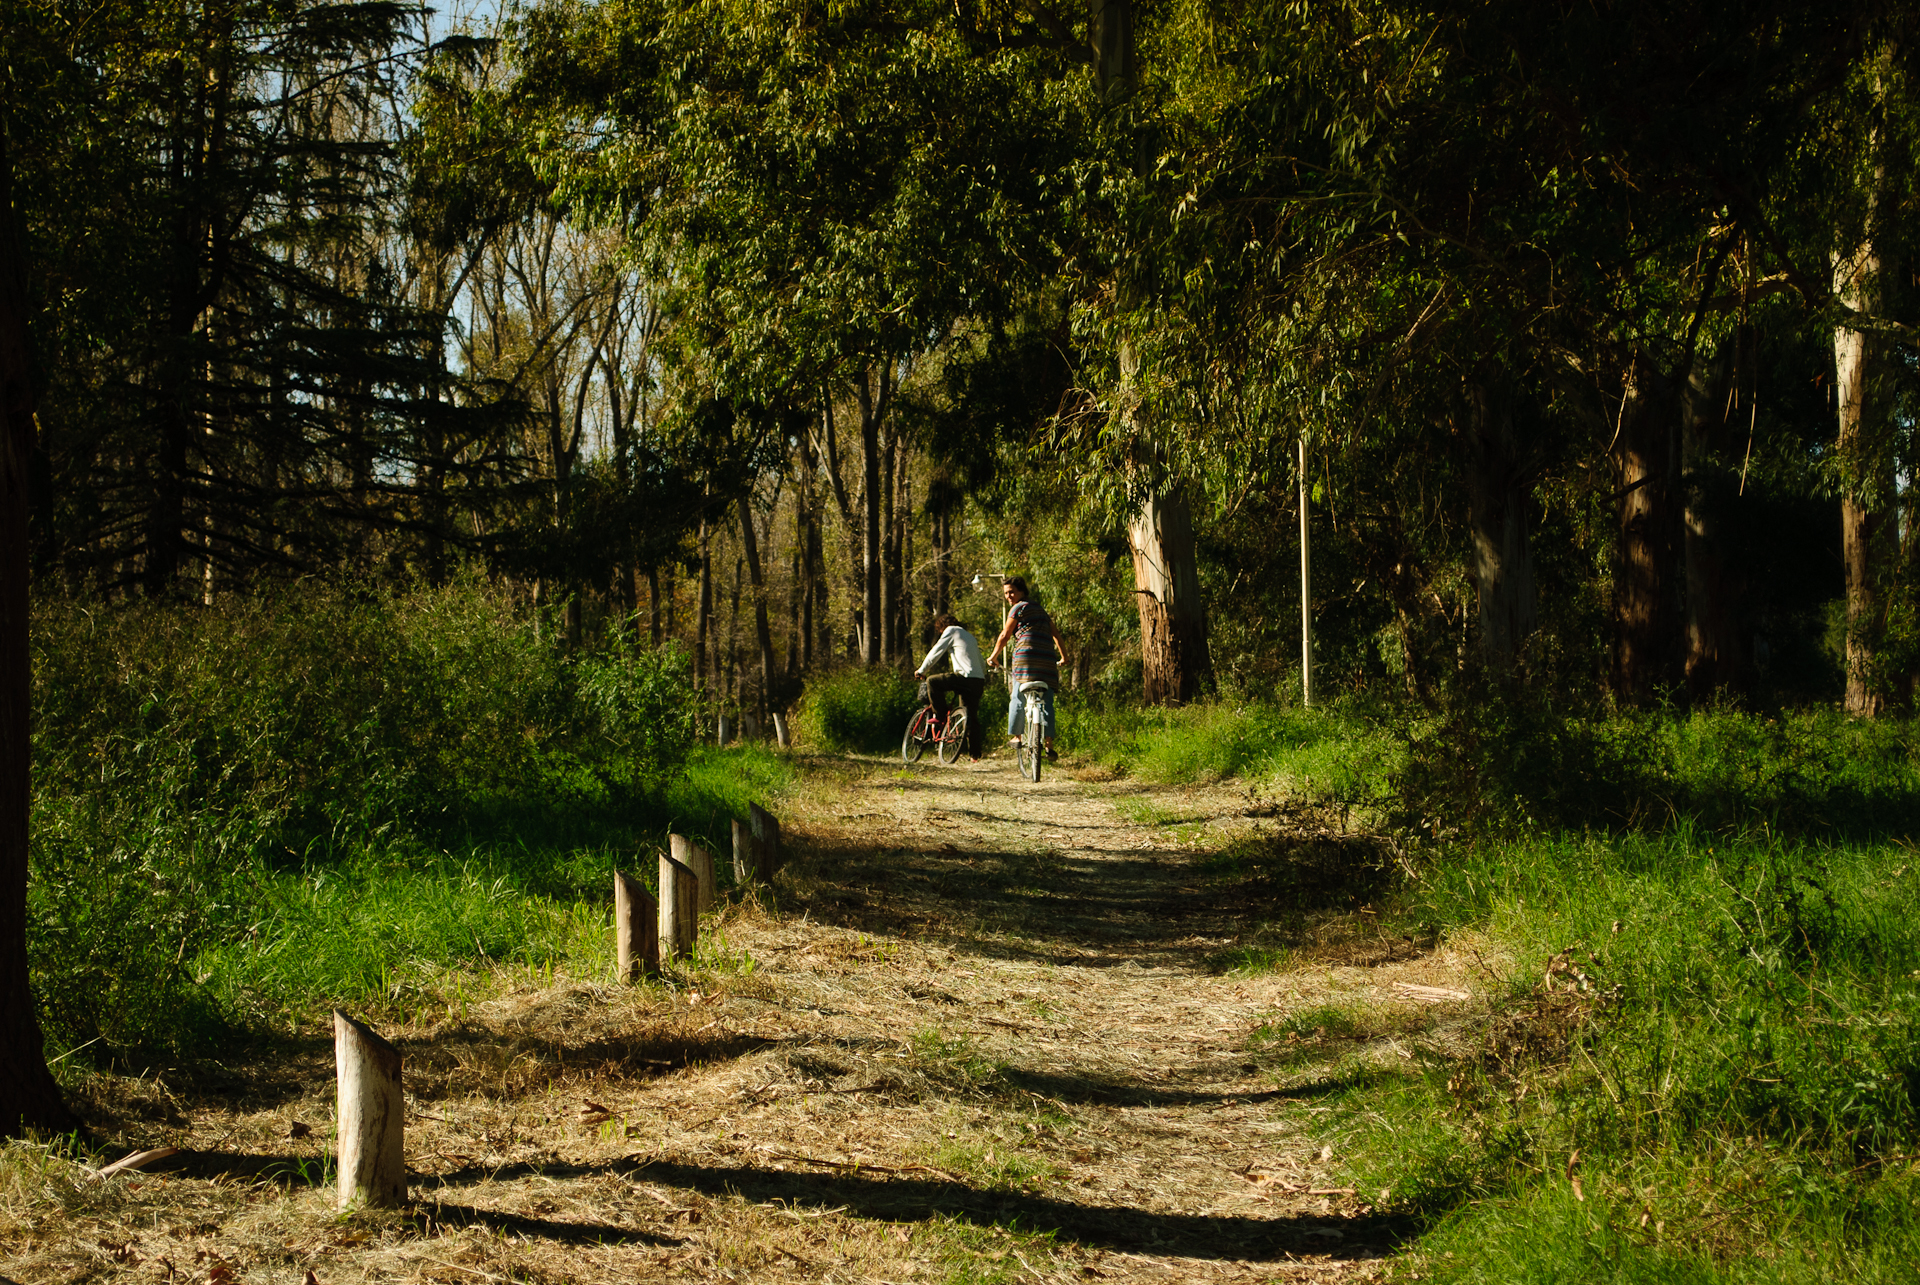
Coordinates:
[183,754]
[856,709]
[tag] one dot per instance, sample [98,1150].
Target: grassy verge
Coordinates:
[1328,754]
[244,816]
[1701,1056]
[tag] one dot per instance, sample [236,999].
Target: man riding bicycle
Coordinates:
[1038,653]
[968,676]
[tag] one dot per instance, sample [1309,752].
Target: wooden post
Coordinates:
[724,734]
[766,838]
[746,854]
[782,734]
[700,861]
[372,1114]
[636,927]
[679,893]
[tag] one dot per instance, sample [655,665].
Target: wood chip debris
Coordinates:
[1428,994]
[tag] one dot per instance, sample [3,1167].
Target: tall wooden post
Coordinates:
[636,928]
[1306,589]
[679,902]
[372,1114]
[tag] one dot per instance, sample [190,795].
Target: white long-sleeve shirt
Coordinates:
[963,647]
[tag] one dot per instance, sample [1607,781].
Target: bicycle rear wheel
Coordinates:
[956,738]
[1032,751]
[914,743]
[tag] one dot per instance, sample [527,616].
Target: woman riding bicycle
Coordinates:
[1038,653]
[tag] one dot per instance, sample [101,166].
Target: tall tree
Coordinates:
[29,1098]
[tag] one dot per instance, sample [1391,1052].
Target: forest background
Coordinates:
[433,427]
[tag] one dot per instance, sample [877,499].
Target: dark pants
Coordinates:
[970,689]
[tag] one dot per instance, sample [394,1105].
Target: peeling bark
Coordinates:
[1174,660]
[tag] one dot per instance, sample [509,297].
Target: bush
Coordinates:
[184,755]
[857,709]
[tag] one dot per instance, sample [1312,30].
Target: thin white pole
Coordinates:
[1306,588]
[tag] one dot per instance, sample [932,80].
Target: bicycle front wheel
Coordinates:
[955,737]
[914,743]
[1032,750]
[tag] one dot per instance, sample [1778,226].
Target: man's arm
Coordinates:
[941,646]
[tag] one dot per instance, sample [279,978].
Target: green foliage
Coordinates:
[857,709]
[213,786]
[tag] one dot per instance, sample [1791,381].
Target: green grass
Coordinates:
[1332,754]
[1712,1012]
[1712,1019]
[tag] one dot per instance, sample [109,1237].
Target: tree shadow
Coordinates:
[911,1199]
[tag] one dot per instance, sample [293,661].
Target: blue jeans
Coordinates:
[1017,714]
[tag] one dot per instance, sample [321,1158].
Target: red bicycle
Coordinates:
[926,728]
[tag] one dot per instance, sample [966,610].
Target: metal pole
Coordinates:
[1306,588]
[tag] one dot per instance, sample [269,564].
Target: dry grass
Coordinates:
[973,1034]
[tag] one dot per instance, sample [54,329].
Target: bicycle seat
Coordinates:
[1035,686]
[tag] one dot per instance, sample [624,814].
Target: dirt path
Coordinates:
[985,1038]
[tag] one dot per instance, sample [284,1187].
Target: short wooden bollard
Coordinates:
[746,858]
[782,734]
[766,838]
[372,1113]
[679,903]
[636,928]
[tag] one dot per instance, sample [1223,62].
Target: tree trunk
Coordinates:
[873,410]
[762,634]
[1498,482]
[29,1099]
[889,551]
[1643,607]
[1856,280]
[703,626]
[942,568]
[653,606]
[1166,579]
[1713,406]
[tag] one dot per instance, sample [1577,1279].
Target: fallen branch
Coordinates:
[138,1160]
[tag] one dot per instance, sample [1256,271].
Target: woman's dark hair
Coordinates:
[944,622]
[1019,584]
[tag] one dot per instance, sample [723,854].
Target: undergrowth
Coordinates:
[254,811]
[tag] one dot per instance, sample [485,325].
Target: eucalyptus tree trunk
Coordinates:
[29,1098]
[1174,660]
[829,452]
[703,617]
[1499,481]
[762,634]
[1856,280]
[873,412]
[889,550]
[1647,466]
